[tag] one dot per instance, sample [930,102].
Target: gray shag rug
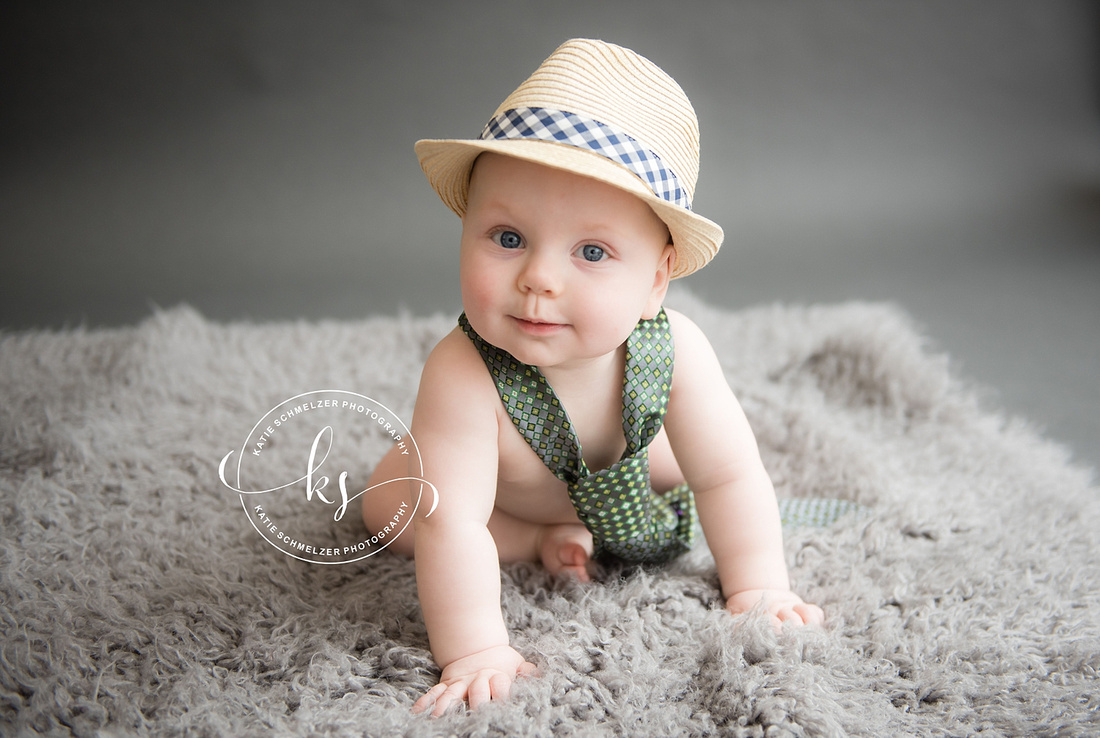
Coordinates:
[136,598]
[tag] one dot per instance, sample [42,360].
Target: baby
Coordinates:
[576,213]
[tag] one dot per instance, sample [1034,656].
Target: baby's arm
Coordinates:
[718,454]
[457,569]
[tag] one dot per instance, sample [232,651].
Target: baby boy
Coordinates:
[576,214]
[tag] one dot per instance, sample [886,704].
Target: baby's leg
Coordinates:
[566,547]
[379,504]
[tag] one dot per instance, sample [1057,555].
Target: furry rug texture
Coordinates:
[137,599]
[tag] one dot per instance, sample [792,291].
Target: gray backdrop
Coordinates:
[254,159]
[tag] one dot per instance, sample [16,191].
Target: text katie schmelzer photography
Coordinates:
[307,439]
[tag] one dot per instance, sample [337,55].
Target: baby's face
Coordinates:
[557,268]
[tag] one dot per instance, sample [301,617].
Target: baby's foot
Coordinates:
[567,548]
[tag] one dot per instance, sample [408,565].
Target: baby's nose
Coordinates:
[541,273]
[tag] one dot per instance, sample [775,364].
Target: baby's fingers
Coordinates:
[483,686]
[800,614]
[810,614]
[495,685]
[486,687]
[428,698]
[455,694]
[442,696]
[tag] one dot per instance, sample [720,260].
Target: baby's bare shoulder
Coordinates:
[702,407]
[691,343]
[456,356]
[455,385]
[456,426]
[697,373]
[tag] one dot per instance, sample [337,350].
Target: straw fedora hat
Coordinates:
[601,111]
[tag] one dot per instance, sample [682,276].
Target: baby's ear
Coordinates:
[660,283]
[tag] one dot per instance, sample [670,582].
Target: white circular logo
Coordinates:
[305,462]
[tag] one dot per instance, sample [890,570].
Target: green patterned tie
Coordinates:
[626,517]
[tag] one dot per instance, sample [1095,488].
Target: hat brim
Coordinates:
[448,163]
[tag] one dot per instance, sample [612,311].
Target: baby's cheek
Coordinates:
[480,304]
[612,315]
[476,304]
[476,293]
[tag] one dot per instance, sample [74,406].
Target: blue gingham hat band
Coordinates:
[560,126]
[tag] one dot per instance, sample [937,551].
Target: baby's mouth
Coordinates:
[536,326]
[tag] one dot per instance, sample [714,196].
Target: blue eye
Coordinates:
[508,239]
[591,252]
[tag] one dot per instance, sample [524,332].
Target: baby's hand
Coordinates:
[783,605]
[478,678]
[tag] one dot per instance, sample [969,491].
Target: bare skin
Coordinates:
[557,269]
